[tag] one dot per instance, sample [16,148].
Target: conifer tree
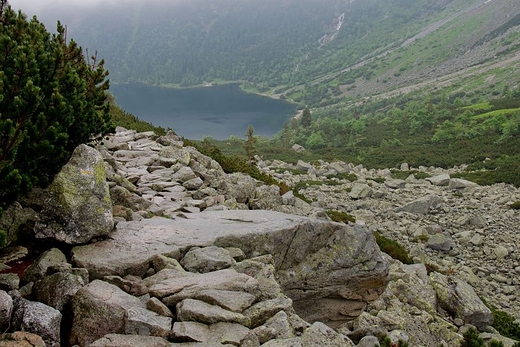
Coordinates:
[250,144]
[51,100]
[306,119]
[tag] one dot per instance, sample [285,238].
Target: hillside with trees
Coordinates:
[426,82]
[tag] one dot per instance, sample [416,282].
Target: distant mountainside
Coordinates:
[315,52]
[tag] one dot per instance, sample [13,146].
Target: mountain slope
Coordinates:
[316,52]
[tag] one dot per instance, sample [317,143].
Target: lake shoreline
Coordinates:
[240,84]
[198,112]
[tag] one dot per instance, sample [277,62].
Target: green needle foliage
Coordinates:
[51,100]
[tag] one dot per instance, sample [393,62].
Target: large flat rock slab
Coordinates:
[314,259]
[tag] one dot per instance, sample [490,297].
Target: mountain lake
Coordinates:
[195,113]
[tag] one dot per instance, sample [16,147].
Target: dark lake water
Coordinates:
[195,113]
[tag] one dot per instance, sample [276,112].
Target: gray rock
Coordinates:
[368,341]
[439,180]
[57,289]
[501,252]
[458,183]
[10,254]
[477,221]
[193,184]
[440,242]
[303,166]
[360,191]
[266,198]
[278,326]
[199,311]
[21,339]
[300,247]
[458,298]
[190,332]
[207,259]
[122,196]
[238,186]
[161,262]
[229,300]
[101,308]
[395,184]
[158,307]
[260,312]
[184,174]
[321,335]
[78,207]
[288,198]
[175,286]
[292,342]
[228,334]
[6,309]
[130,284]
[297,148]
[422,205]
[13,218]
[9,281]
[115,340]
[37,270]
[262,269]
[37,318]
[181,155]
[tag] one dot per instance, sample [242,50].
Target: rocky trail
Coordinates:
[156,246]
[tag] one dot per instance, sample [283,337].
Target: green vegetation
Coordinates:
[236,164]
[341,217]
[472,339]
[52,98]
[404,174]
[3,238]
[393,249]
[386,134]
[250,144]
[386,342]
[505,324]
[515,205]
[129,121]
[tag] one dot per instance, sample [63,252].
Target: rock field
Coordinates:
[155,245]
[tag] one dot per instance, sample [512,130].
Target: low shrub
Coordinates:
[505,324]
[472,339]
[236,164]
[393,249]
[515,205]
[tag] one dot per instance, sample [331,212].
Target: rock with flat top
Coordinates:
[330,270]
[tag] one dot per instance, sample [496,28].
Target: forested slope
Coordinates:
[316,52]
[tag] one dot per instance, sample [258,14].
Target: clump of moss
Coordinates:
[393,249]
[341,217]
[515,205]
